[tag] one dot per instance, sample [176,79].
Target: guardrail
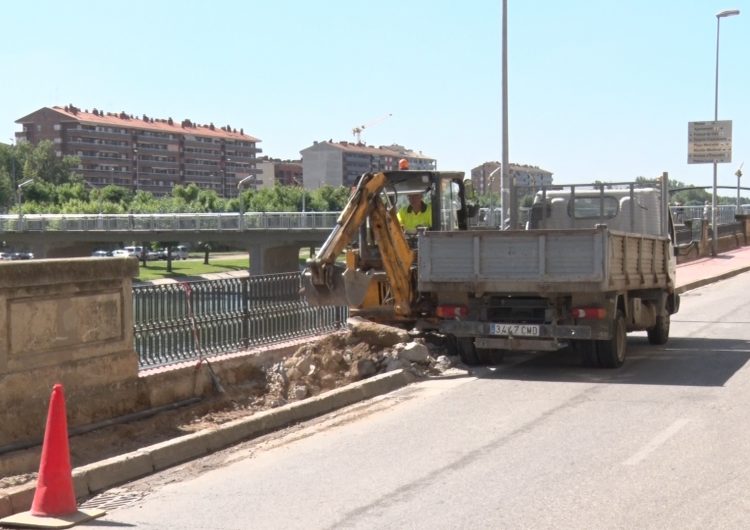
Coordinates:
[172,222]
[185,321]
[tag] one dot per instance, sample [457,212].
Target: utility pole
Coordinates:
[504,181]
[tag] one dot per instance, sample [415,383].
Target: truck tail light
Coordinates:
[591,313]
[451,311]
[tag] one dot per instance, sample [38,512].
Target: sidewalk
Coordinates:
[703,271]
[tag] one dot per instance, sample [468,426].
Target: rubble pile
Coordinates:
[361,351]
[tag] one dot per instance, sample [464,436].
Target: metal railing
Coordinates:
[191,320]
[724,213]
[167,221]
[248,221]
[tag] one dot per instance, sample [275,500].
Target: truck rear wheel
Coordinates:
[659,334]
[611,353]
[467,351]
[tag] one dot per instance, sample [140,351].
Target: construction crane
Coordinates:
[357,131]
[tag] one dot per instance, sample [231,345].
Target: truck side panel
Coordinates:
[639,262]
[542,261]
[511,261]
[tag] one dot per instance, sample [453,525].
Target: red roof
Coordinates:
[151,124]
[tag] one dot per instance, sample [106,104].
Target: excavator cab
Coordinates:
[378,276]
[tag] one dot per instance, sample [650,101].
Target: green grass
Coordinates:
[155,270]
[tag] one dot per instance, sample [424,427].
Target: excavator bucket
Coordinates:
[333,293]
[346,288]
[356,283]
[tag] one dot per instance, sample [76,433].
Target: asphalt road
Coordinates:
[538,442]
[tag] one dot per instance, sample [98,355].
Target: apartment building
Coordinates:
[273,171]
[145,153]
[486,177]
[342,163]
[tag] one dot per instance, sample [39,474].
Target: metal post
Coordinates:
[714,242]
[239,196]
[491,179]
[739,207]
[137,168]
[13,162]
[504,178]
[719,16]
[19,200]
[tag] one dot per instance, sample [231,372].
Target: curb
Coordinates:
[712,279]
[98,476]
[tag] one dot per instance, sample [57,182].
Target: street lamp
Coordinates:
[135,182]
[719,16]
[239,196]
[19,198]
[224,177]
[13,161]
[506,157]
[738,173]
[492,197]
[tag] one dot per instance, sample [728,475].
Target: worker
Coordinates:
[417,213]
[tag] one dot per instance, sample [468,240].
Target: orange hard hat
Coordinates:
[403,164]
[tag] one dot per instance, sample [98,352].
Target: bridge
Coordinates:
[272,239]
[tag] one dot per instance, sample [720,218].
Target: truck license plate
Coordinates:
[515,330]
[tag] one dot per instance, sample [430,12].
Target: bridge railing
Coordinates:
[235,222]
[167,221]
[190,320]
[724,213]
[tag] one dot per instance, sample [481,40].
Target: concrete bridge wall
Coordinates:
[269,251]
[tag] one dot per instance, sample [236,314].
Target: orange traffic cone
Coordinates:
[54,504]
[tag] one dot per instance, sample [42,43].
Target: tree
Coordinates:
[42,163]
[187,193]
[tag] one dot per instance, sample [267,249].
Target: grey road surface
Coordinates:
[538,442]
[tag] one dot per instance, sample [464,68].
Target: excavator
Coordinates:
[377,279]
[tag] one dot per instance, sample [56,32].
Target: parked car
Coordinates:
[4,256]
[101,254]
[21,255]
[121,252]
[153,255]
[136,251]
[179,252]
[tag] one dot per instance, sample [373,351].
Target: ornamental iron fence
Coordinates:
[186,321]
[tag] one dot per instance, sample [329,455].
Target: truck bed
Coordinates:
[542,261]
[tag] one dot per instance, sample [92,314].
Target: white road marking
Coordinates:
[655,442]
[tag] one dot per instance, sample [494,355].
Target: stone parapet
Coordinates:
[71,322]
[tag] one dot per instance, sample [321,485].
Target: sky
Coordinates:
[597,90]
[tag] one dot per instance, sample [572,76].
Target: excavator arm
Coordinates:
[326,282]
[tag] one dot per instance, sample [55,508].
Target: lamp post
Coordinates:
[505,164]
[492,197]
[738,173]
[239,196]
[135,182]
[224,176]
[13,161]
[719,16]
[19,199]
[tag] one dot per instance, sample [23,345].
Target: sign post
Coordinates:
[709,142]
